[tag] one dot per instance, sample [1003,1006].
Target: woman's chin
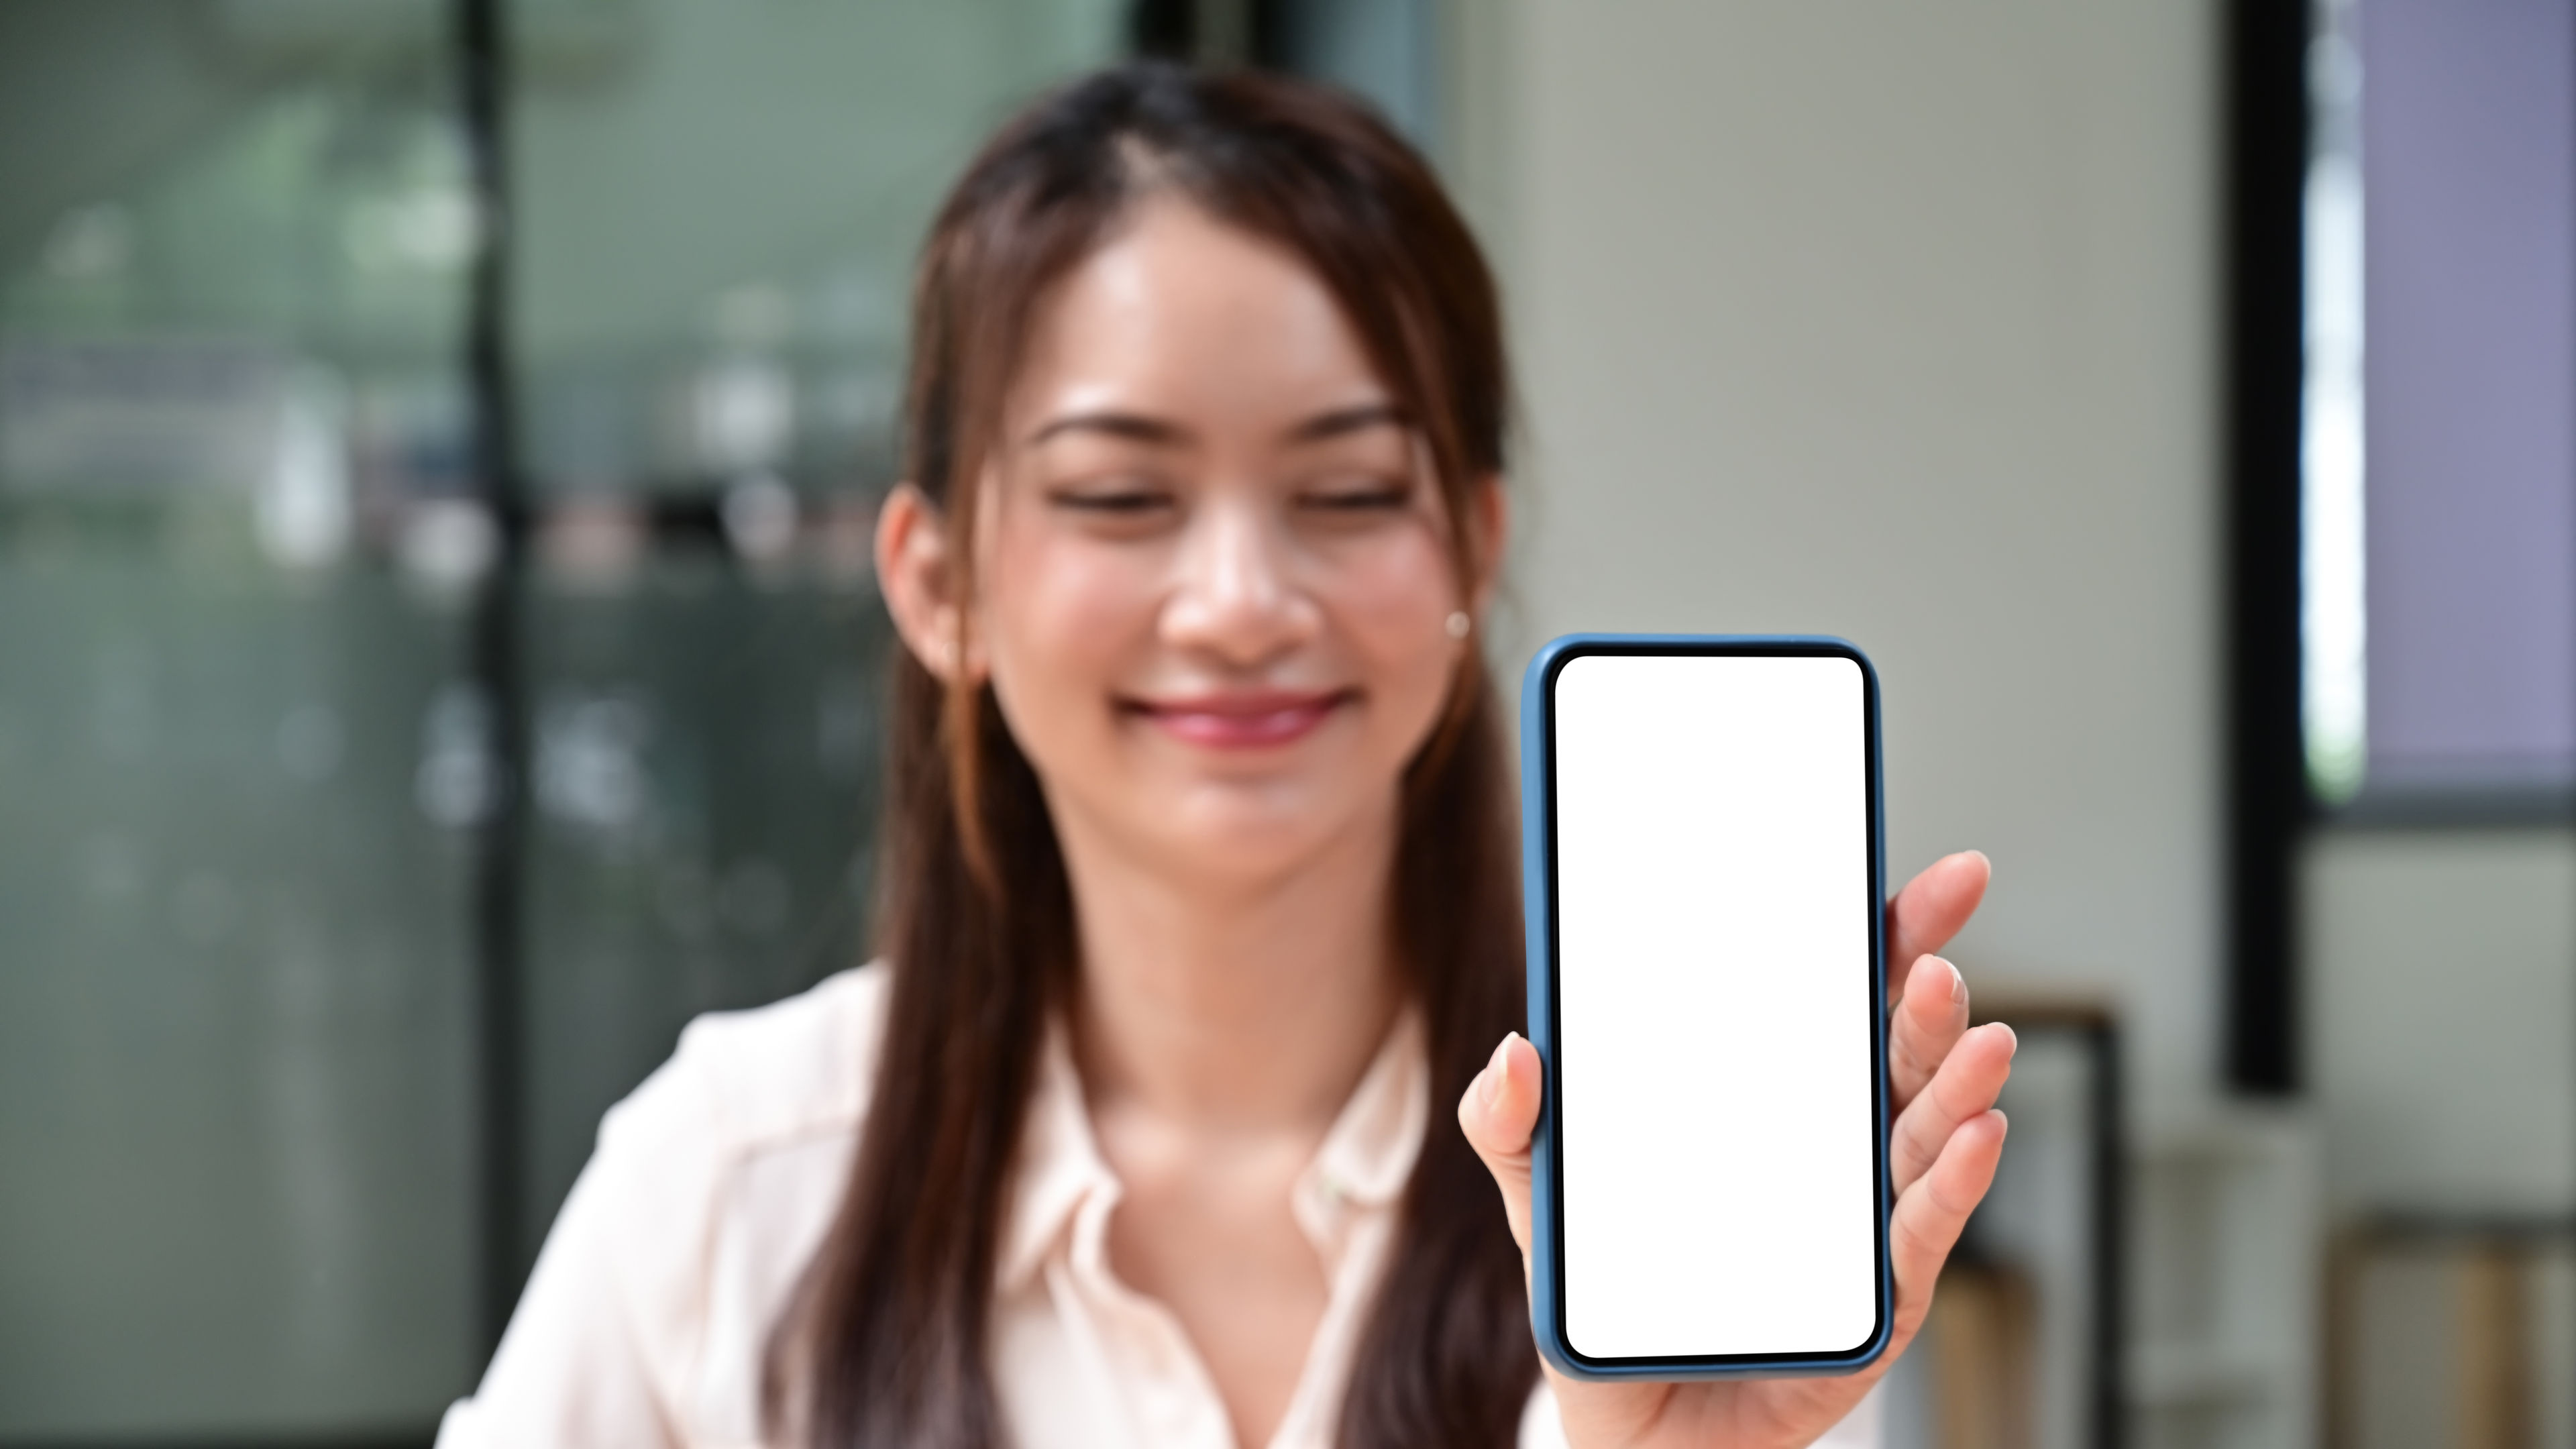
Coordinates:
[1254,833]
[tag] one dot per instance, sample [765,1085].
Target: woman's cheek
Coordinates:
[1084,595]
[1060,618]
[1398,600]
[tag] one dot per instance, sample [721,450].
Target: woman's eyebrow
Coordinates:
[1347,420]
[1135,427]
[1140,428]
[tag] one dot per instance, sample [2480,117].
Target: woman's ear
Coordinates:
[917,572]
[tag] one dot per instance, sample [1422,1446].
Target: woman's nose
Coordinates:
[1238,596]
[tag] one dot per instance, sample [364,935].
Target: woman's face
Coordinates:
[1213,585]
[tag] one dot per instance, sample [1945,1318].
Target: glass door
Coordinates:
[254,766]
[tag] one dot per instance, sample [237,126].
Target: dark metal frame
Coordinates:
[2518,808]
[2266,781]
[496,665]
[2106,1117]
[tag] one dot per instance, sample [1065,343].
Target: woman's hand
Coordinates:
[1947,1138]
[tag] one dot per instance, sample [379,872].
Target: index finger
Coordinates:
[1932,908]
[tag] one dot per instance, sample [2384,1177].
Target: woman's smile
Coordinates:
[1250,719]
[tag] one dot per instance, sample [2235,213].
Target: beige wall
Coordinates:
[1898,322]
[2442,1029]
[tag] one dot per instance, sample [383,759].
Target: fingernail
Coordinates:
[1958,985]
[2007,1121]
[1489,1083]
[2012,1038]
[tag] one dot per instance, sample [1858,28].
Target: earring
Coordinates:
[1460,624]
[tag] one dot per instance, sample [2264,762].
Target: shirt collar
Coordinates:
[1369,1151]
[1364,1161]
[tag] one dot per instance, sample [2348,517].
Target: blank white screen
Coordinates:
[1714,1005]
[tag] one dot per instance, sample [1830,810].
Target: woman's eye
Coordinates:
[1371,498]
[1112,502]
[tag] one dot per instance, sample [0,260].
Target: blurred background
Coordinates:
[438,445]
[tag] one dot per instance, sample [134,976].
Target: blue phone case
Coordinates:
[1538,883]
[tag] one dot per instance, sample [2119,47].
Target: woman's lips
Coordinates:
[1242,721]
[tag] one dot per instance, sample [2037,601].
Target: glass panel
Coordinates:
[2439,572]
[706,759]
[234,1057]
[717,213]
[1384,50]
[2468,114]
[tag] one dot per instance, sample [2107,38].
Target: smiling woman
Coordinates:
[1183,575]
[1201,888]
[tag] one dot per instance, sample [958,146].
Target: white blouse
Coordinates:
[646,1320]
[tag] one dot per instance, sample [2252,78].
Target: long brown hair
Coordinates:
[888,1344]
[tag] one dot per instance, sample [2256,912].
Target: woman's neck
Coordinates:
[1230,1003]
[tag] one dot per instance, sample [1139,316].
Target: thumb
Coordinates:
[1497,1115]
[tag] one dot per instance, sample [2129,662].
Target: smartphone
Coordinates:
[1704,858]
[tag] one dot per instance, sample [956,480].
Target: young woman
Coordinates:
[1201,908]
